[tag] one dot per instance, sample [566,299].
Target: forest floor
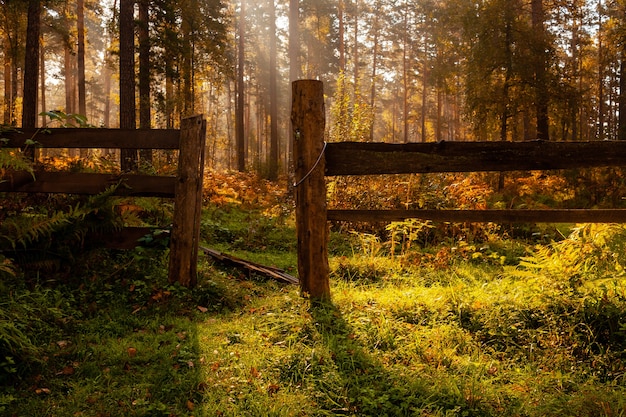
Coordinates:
[497,328]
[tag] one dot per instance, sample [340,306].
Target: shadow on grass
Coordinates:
[368,387]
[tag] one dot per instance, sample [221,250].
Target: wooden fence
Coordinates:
[185,188]
[314,159]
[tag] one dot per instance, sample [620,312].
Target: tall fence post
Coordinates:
[308,121]
[188,203]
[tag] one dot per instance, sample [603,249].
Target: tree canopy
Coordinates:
[403,71]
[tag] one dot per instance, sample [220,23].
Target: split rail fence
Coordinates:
[185,188]
[314,159]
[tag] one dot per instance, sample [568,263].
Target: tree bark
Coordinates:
[42,83]
[31,65]
[541,91]
[8,97]
[82,98]
[127,79]
[144,73]
[621,133]
[239,108]
[294,59]
[273,163]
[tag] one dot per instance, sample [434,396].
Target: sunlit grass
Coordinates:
[496,328]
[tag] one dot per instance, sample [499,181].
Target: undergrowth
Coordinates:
[421,323]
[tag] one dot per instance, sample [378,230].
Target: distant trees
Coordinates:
[394,71]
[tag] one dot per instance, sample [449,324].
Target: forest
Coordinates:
[425,317]
[393,71]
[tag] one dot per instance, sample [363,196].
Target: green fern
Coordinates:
[43,240]
[591,252]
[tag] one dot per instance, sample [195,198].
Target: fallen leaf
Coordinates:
[40,391]
[254,372]
[68,370]
[63,343]
[190,405]
[203,309]
[132,352]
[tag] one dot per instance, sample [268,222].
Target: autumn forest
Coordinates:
[393,71]
[159,281]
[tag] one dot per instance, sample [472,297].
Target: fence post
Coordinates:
[308,121]
[185,235]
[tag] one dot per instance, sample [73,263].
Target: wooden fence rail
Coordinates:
[314,159]
[185,188]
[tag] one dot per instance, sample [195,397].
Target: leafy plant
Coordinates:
[63,119]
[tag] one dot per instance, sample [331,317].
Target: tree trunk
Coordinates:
[621,129]
[144,74]
[541,92]
[127,79]
[31,65]
[8,98]
[42,83]
[82,100]
[342,47]
[294,61]
[374,69]
[273,165]
[239,108]
[187,66]
[405,75]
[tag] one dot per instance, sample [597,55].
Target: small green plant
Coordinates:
[63,119]
[406,233]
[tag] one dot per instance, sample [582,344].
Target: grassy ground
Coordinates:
[498,329]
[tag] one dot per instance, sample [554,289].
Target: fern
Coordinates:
[42,240]
[591,252]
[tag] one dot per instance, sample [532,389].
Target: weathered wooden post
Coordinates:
[308,121]
[188,203]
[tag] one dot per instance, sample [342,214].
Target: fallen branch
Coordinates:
[268,271]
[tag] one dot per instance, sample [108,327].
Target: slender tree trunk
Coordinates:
[144,74]
[8,98]
[621,129]
[600,75]
[294,61]
[273,165]
[106,71]
[342,46]
[67,63]
[127,80]
[405,76]
[187,66]
[541,93]
[424,96]
[239,108]
[31,65]
[374,69]
[42,82]
[82,99]
[80,64]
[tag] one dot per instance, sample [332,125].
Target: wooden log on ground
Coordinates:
[267,271]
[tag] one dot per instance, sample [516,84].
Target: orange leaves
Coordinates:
[246,189]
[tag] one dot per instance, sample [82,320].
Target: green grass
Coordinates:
[492,329]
